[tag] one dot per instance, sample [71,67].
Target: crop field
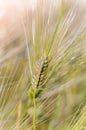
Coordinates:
[42,65]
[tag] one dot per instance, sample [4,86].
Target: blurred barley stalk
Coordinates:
[29,32]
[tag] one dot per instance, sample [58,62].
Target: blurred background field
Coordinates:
[30,30]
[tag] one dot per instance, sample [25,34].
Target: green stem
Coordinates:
[34,109]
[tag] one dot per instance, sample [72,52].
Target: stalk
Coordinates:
[34,110]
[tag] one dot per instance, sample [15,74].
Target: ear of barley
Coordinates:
[39,78]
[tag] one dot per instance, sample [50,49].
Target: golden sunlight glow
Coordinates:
[2,8]
[32,3]
[10,13]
